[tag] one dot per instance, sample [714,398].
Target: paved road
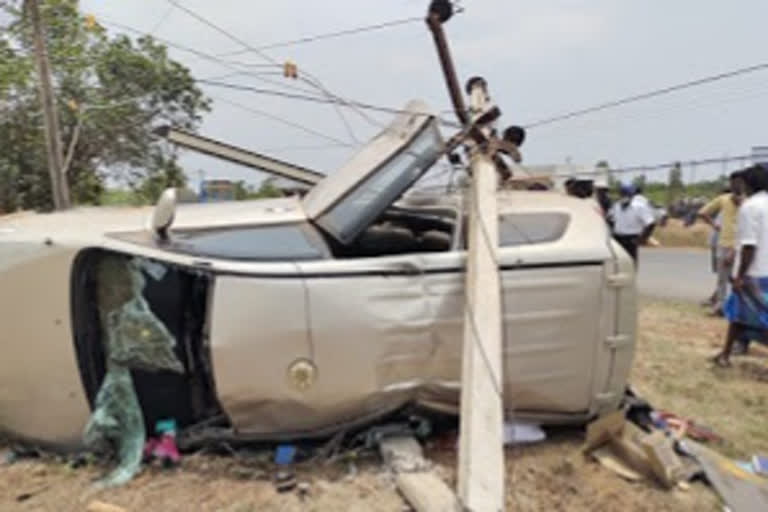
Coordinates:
[678,274]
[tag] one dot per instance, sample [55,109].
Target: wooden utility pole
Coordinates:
[59,186]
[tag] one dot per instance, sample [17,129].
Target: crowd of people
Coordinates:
[742,259]
[739,243]
[631,218]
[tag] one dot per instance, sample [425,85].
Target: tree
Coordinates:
[267,190]
[164,173]
[111,92]
[639,181]
[240,191]
[675,185]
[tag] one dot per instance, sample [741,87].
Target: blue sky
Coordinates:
[540,58]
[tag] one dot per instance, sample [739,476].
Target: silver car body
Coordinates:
[303,345]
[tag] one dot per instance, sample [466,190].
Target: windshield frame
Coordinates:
[414,126]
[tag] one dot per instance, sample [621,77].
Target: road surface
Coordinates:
[677,274]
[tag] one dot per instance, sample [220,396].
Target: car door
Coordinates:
[551,309]
[371,335]
[258,335]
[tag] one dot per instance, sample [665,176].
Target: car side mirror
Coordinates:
[165,210]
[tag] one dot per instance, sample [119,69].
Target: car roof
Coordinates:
[101,220]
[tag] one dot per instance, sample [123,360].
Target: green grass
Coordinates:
[120,197]
[672,371]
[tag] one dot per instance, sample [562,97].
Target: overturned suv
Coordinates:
[290,318]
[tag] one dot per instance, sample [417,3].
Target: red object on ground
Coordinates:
[692,430]
[166,449]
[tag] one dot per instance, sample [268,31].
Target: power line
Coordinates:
[586,126]
[163,19]
[319,99]
[286,122]
[260,76]
[665,166]
[206,56]
[648,95]
[329,35]
[231,65]
[223,32]
[314,80]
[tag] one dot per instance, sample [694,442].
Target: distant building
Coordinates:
[217,190]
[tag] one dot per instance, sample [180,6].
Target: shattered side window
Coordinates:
[263,243]
[531,228]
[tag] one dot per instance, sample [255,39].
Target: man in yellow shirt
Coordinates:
[727,206]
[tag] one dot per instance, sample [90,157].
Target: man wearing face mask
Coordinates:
[632,222]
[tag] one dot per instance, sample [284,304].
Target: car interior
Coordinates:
[178,298]
[403,231]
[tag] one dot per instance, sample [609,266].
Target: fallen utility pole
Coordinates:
[481,472]
[240,156]
[481,448]
[59,186]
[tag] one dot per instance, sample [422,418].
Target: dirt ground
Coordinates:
[671,371]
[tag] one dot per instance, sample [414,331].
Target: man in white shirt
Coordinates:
[642,202]
[632,221]
[747,306]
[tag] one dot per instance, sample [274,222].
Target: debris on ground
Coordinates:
[760,464]
[100,506]
[671,450]
[163,447]
[522,432]
[25,496]
[417,426]
[285,454]
[303,489]
[8,457]
[285,480]
[419,484]
[633,453]
[741,490]
[683,427]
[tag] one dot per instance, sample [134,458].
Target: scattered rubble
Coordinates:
[671,454]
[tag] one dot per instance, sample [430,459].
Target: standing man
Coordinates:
[727,207]
[642,202]
[605,202]
[601,191]
[632,223]
[747,307]
[714,236]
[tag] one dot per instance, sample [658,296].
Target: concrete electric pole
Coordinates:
[481,472]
